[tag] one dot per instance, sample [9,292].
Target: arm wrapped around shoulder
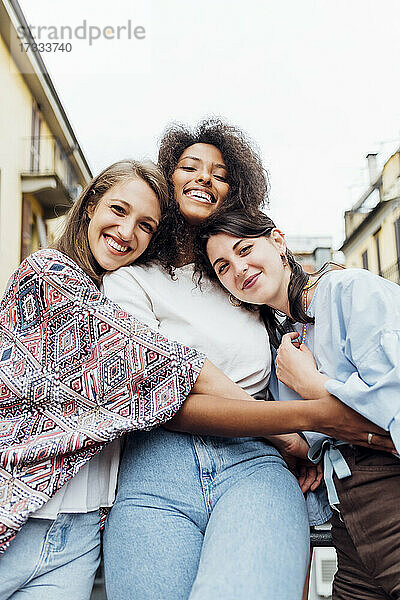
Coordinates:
[76,372]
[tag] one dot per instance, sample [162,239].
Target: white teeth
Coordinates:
[200,195]
[116,246]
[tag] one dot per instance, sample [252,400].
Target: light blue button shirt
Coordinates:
[356,343]
[317,502]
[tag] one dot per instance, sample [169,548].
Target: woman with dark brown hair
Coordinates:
[347,323]
[203,516]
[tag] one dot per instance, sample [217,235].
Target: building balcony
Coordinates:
[48,175]
[393,272]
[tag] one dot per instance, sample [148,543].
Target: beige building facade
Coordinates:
[42,167]
[372,226]
[310,252]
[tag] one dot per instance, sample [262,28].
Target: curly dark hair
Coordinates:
[248,180]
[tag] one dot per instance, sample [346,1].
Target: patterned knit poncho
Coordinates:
[76,372]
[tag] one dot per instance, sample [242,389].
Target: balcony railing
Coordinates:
[43,156]
[393,272]
[47,172]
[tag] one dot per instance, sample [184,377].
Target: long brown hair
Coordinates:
[244,225]
[74,240]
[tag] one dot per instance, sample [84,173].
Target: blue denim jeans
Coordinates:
[205,518]
[52,560]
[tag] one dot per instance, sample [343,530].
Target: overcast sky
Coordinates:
[315,83]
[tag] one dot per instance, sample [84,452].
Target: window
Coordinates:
[365,259]
[378,251]
[35,138]
[33,227]
[396,225]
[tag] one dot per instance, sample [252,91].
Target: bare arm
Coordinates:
[203,415]
[217,406]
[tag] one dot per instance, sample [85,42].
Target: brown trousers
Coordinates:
[367,536]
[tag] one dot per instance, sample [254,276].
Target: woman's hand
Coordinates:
[209,411]
[296,368]
[294,450]
[332,417]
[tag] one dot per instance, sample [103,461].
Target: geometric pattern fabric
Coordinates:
[76,372]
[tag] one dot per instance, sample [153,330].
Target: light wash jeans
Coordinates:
[52,560]
[205,518]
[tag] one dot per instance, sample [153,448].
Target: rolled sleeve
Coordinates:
[374,389]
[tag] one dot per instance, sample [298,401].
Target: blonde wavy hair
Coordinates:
[74,240]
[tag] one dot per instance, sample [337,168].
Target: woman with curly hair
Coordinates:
[203,516]
[248,183]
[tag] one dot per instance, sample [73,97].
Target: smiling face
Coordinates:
[252,268]
[200,182]
[122,223]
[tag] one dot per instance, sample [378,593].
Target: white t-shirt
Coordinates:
[92,487]
[233,338]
